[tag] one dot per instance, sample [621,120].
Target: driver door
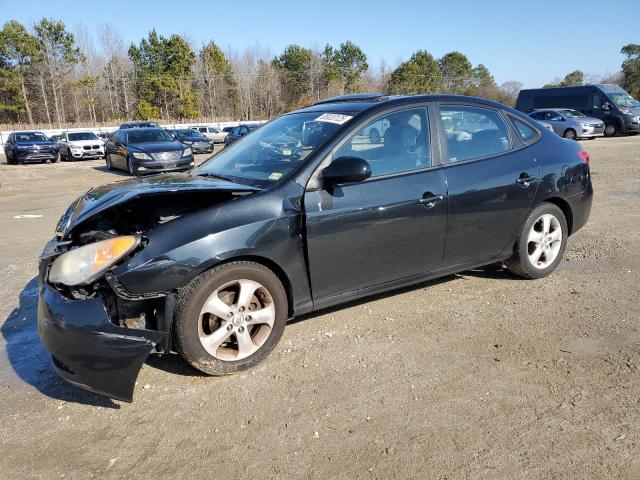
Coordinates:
[388,227]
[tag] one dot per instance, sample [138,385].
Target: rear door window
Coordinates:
[474,132]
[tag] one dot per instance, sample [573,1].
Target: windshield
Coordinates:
[573,114]
[82,136]
[31,137]
[272,151]
[188,133]
[148,136]
[624,100]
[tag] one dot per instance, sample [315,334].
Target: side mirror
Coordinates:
[346,170]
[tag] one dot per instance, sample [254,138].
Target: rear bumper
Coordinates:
[581,207]
[87,349]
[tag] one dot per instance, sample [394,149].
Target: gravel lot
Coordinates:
[478,375]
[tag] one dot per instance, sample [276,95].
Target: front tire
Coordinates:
[610,130]
[130,168]
[570,134]
[107,159]
[541,243]
[55,159]
[230,318]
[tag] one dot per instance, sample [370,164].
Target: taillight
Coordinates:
[584,156]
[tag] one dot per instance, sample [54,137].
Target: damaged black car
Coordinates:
[307,212]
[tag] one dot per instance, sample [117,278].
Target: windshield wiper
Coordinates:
[217,175]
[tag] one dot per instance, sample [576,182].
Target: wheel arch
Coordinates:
[575,132]
[271,265]
[563,205]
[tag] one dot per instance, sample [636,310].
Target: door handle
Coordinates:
[525,180]
[430,201]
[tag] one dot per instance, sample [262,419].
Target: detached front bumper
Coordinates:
[87,349]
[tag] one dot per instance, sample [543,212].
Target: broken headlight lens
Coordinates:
[84,264]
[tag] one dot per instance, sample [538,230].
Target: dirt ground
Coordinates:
[478,375]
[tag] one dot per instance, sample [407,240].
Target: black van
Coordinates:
[619,111]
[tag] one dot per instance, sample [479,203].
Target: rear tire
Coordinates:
[541,243]
[230,318]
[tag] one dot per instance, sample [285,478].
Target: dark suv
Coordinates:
[23,147]
[146,150]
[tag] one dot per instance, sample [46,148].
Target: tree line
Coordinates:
[50,75]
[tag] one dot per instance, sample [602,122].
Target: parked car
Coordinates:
[618,110]
[213,262]
[80,145]
[141,124]
[196,140]
[28,147]
[54,138]
[569,123]
[238,132]
[546,125]
[146,150]
[214,133]
[104,136]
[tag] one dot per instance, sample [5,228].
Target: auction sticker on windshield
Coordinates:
[334,118]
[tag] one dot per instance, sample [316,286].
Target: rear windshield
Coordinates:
[82,136]
[148,136]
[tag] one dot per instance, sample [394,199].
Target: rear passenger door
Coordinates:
[492,178]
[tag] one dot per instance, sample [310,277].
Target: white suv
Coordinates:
[214,133]
[77,145]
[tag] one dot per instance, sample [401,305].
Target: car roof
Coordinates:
[357,103]
[29,131]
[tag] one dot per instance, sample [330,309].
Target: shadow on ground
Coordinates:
[31,362]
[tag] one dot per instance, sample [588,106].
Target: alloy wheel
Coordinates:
[236,320]
[544,241]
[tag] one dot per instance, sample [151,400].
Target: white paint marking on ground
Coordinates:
[27,216]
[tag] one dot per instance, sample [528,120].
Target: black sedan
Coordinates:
[238,132]
[214,262]
[27,147]
[194,139]
[146,150]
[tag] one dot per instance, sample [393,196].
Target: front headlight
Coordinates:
[141,156]
[84,264]
[584,124]
[187,142]
[187,152]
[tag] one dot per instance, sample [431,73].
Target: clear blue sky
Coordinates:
[532,41]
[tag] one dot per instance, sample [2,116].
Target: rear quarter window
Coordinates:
[526,132]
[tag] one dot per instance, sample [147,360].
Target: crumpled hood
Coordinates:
[103,197]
